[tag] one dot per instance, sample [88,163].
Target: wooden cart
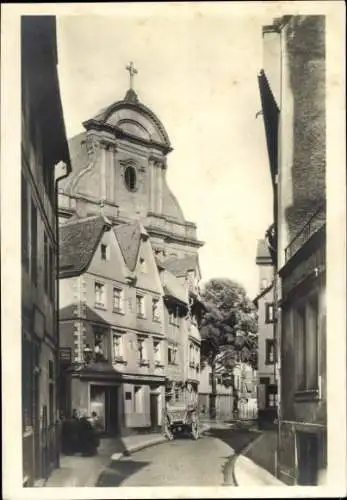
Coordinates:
[179,418]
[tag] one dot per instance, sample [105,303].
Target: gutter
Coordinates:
[61,171]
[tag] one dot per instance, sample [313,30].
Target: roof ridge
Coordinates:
[86,219]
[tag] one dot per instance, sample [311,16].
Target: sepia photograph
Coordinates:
[175,232]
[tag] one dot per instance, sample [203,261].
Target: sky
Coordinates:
[197,70]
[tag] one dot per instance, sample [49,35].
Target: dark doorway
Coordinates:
[36,411]
[111,403]
[154,410]
[307,458]
[104,402]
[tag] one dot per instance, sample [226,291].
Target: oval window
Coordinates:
[130,178]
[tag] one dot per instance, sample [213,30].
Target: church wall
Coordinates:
[136,202]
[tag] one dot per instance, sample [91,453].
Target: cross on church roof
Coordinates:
[132,71]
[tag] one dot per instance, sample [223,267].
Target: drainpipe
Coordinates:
[277,354]
[61,171]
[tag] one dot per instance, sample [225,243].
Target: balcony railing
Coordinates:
[311,227]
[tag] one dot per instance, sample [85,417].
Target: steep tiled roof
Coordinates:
[172,287]
[129,240]
[78,241]
[179,267]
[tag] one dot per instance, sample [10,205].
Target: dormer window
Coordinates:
[143,265]
[104,252]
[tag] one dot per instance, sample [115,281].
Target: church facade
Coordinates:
[118,180]
[119,166]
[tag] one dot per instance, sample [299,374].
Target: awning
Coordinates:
[271,118]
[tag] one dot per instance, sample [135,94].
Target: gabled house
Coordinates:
[267,351]
[180,278]
[112,324]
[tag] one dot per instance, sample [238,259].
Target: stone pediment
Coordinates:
[133,127]
[133,122]
[134,119]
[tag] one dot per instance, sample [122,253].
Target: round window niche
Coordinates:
[130,178]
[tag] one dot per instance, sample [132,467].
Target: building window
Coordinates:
[306,340]
[100,295]
[138,399]
[173,317]
[141,351]
[45,259]
[270,352]
[269,313]
[172,355]
[33,243]
[157,352]
[117,340]
[191,356]
[143,266]
[100,345]
[155,310]
[25,224]
[27,382]
[197,358]
[140,306]
[52,272]
[130,178]
[104,252]
[51,391]
[118,300]
[271,396]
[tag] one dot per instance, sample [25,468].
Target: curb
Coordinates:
[247,463]
[231,462]
[138,447]
[239,455]
[146,444]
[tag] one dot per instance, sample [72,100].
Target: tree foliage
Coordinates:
[228,326]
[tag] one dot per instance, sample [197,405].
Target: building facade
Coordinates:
[124,326]
[119,170]
[267,351]
[182,315]
[236,396]
[112,324]
[292,87]
[45,158]
[224,397]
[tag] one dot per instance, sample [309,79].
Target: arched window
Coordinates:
[130,178]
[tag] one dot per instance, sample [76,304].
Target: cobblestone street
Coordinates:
[182,462]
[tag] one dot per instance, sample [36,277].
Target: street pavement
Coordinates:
[182,462]
[220,457]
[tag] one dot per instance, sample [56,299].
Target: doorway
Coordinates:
[104,402]
[154,410]
[308,450]
[111,410]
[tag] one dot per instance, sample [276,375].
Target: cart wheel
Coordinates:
[166,430]
[195,430]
